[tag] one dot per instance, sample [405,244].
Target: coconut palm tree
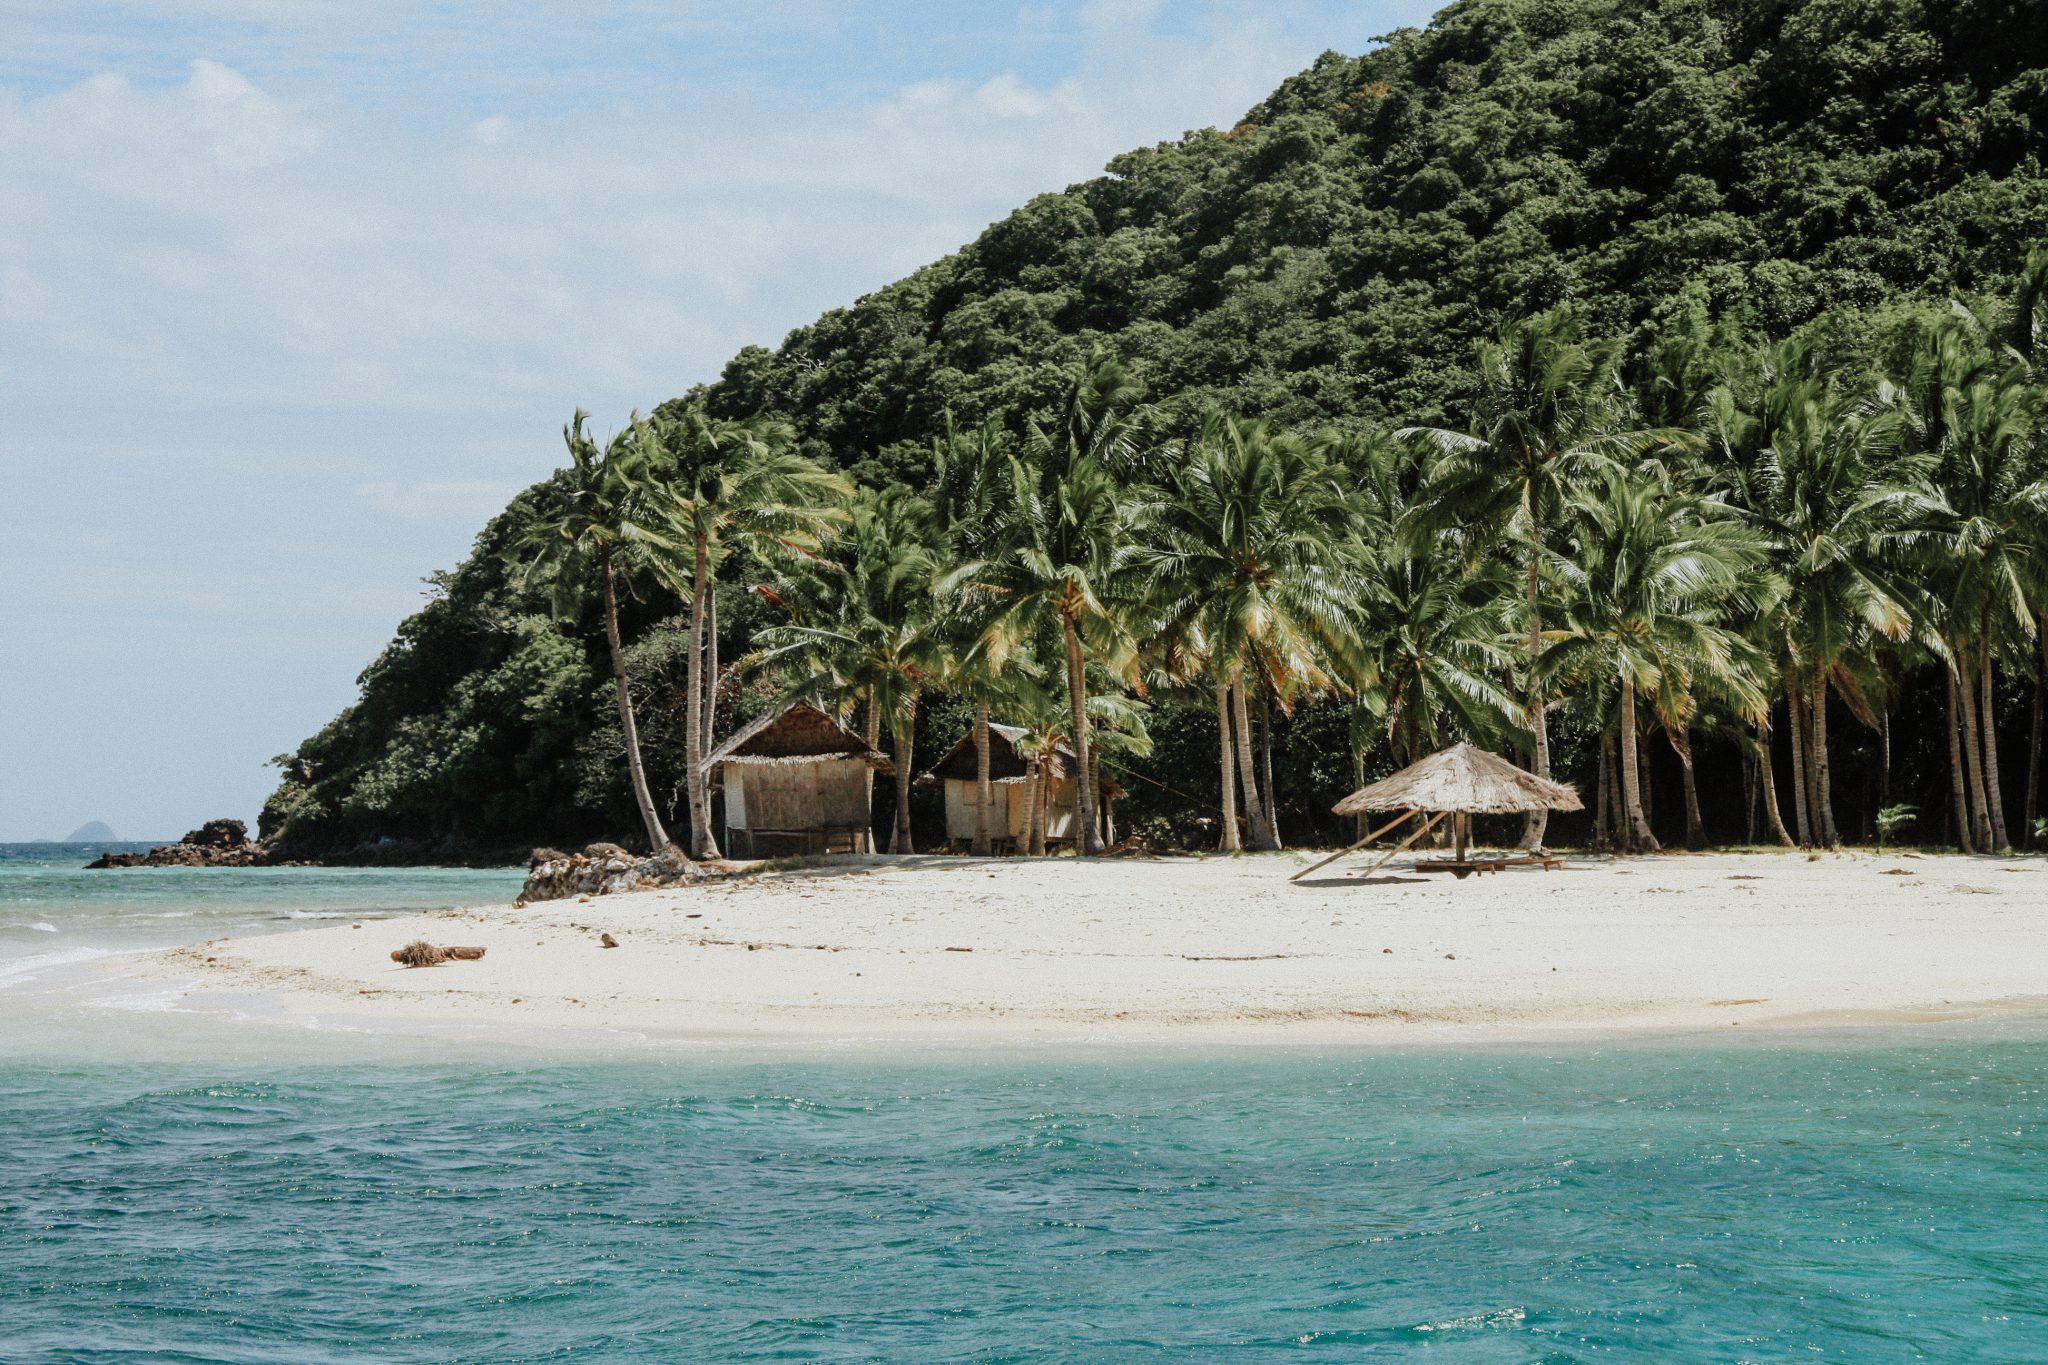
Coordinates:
[1058,552]
[861,626]
[733,484]
[1975,413]
[1550,414]
[605,516]
[967,468]
[1648,574]
[1819,468]
[1244,555]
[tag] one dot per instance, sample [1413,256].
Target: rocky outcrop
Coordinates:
[603,870]
[217,843]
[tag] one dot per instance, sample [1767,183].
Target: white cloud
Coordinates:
[219,238]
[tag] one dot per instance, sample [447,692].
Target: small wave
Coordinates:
[41,926]
[28,968]
[1499,1317]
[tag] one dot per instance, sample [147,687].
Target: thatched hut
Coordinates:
[1460,782]
[797,781]
[1010,779]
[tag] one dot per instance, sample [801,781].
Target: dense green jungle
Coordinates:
[1756,272]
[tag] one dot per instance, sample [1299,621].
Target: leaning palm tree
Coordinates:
[861,627]
[733,484]
[1550,413]
[1244,556]
[605,516]
[1648,575]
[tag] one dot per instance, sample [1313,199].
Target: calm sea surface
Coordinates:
[1852,1196]
[53,911]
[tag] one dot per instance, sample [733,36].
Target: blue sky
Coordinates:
[295,293]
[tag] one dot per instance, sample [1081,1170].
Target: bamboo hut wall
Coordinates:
[800,796]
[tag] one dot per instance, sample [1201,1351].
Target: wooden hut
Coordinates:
[797,781]
[1460,782]
[1010,785]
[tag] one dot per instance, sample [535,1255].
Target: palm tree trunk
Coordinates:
[1640,837]
[905,734]
[1994,798]
[1085,841]
[1973,755]
[1774,820]
[1648,787]
[1247,772]
[871,722]
[1266,764]
[702,841]
[1884,756]
[1034,822]
[1602,830]
[1695,825]
[1956,766]
[1795,727]
[1823,795]
[657,837]
[2033,801]
[1750,799]
[1537,821]
[984,789]
[1227,757]
[711,668]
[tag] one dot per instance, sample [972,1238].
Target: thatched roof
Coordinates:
[1462,779]
[1005,764]
[796,734]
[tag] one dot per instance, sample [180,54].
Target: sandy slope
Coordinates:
[1197,949]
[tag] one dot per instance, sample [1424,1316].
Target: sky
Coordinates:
[294,294]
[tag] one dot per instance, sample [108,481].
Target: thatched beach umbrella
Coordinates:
[1460,782]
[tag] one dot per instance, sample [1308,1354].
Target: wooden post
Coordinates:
[1360,842]
[1461,827]
[1395,852]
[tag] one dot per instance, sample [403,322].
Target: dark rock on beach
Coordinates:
[602,870]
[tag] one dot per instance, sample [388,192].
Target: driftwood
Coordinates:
[420,953]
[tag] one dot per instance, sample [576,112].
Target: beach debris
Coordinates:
[607,941]
[1450,957]
[950,950]
[420,953]
[1899,872]
[603,870]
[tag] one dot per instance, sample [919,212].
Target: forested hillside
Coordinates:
[1329,262]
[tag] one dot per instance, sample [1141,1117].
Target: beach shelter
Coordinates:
[1010,788]
[1460,782]
[797,781]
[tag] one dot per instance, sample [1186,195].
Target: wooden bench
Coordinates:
[1470,866]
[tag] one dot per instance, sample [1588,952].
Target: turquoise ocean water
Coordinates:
[1849,1196]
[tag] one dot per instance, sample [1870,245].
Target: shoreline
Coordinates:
[1181,953]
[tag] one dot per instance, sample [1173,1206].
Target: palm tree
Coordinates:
[967,468]
[1549,414]
[607,514]
[861,626]
[1975,411]
[733,484]
[1243,553]
[1818,468]
[1648,574]
[1059,550]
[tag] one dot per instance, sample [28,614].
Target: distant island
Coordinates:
[93,832]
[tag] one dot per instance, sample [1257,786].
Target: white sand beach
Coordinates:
[1197,949]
